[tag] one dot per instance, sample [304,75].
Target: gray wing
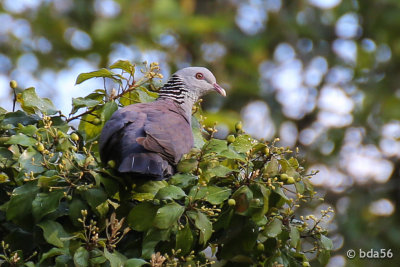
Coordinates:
[114,132]
[168,133]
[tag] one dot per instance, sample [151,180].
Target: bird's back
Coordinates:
[147,139]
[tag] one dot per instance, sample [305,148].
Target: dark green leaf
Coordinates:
[170,192]
[141,217]
[183,180]
[135,263]
[81,257]
[184,240]
[167,215]
[31,161]
[274,228]
[151,239]
[54,233]
[187,165]
[216,195]
[17,117]
[45,203]
[116,259]
[204,225]
[21,139]
[20,204]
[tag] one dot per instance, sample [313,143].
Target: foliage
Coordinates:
[60,206]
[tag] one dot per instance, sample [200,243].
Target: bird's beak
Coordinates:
[219,89]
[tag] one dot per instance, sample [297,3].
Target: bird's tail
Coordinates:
[149,165]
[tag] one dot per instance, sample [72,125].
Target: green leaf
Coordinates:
[53,232]
[20,204]
[145,96]
[168,215]
[216,195]
[151,187]
[141,217]
[29,130]
[243,143]
[52,253]
[95,197]
[187,165]
[45,203]
[151,240]
[170,192]
[116,259]
[135,263]
[294,237]
[105,73]
[197,136]
[218,171]
[81,102]
[274,228]
[31,103]
[81,257]
[183,180]
[31,161]
[14,118]
[326,242]
[272,168]
[215,146]
[21,139]
[184,240]
[124,65]
[243,196]
[231,154]
[75,208]
[205,226]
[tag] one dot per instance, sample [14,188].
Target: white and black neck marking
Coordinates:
[176,90]
[187,85]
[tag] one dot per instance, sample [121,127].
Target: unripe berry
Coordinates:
[111,163]
[40,147]
[74,137]
[290,180]
[231,202]
[13,84]
[238,126]
[284,176]
[230,138]
[260,247]
[96,121]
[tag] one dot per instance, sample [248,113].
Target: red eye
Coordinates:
[199,76]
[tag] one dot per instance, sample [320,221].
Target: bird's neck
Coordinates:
[176,91]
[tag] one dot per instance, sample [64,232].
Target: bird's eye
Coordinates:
[199,76]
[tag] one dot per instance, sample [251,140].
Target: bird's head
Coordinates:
[190,83]
[199,80]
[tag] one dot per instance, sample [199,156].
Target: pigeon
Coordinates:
[148,140]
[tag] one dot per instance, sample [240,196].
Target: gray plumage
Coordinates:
[149,139]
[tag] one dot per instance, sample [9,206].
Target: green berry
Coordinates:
[40,147]
[238,126]
[96,121]
[290,180]
[260,247]
[13,84]
[111,163]
[230,138]
[284,176]
[74,137]
[231,202]
[306,264]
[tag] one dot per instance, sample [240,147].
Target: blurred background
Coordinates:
[322,75]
